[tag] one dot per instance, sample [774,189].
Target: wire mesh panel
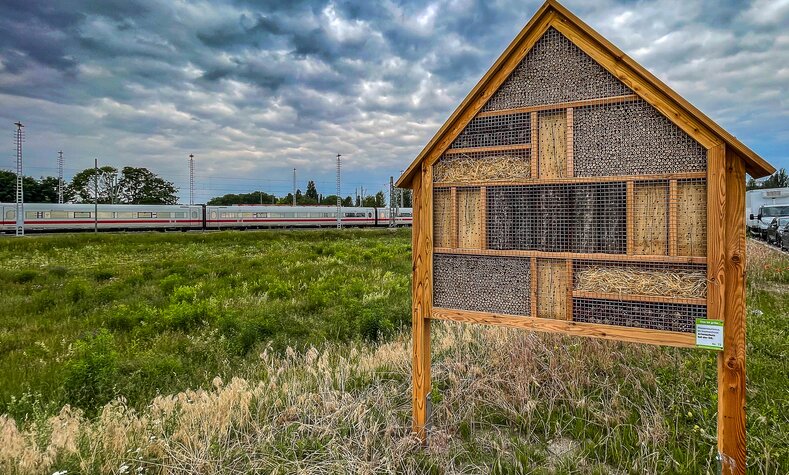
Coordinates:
[631,138]
[483,166]
[555,71]
[582,218]
[495,131]
[458,283]
[652,315]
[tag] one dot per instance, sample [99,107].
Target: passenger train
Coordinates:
[73,217]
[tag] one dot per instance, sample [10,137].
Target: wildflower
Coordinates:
[60,472]
[123,469]
[690,415]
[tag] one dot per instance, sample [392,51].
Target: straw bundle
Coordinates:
[639,281]
[468,169]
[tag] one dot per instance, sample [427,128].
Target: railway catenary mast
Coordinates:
[20,195]
[339,221]
[60,177]
[191,179]
[294,187]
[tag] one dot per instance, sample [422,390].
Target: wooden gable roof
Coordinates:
[629,72]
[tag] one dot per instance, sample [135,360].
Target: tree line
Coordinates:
[132,185]
[107,185]
[779,179]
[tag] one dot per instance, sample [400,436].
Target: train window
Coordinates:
[165,214]
[58,214]
[10,214]
[405,215]
[105,215]
[247,215]
[260,215]
[143,214]
[82,214]
[302,215]
[275,215]
[213,214]
[194,214]
[34,214]
[369,215]
[288,215]
[179,215]
[124,214]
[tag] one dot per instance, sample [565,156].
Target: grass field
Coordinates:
[86,318]
[288,352]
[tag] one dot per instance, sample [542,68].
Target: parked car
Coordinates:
[775,229]
[783,234]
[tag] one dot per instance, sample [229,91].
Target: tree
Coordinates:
[312,192]
[256,197]
[141,186]
[43,190]
[778,179]
[347,201]
[752,184]
[89,183]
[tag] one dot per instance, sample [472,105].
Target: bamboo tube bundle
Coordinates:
[631,280]
[482,283]
[631,138]
[554,71]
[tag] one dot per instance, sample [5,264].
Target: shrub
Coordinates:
[25,276]
[91,372]
[374,327]
[102,275]
[77,290]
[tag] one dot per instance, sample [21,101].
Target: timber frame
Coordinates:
[728,160]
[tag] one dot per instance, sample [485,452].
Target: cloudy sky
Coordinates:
[256,88]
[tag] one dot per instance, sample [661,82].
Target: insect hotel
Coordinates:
[573,192]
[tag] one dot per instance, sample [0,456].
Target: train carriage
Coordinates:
[71,217]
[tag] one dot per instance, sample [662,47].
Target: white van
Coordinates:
[761,206]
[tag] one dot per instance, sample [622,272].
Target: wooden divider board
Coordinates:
[469,219]
[691,219]
[442,219]
[552,288]
[553,145]
[650,218]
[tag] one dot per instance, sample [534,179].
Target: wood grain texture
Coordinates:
[570,167]
[650,218]
[731,361]
[629,217]
[573,255]
[691,218]
[561,105]
[575,180]
[672,218]
[608,332]
[552,288]
[469,218]
[552,146]
[716,209]
[442,218]
[422,295]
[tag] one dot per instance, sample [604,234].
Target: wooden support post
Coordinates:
[422,285]
[731,361]
[483,203]
[629,226]
[570,168]
[535,152]
[672,218]
[453,217]
[533,290]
